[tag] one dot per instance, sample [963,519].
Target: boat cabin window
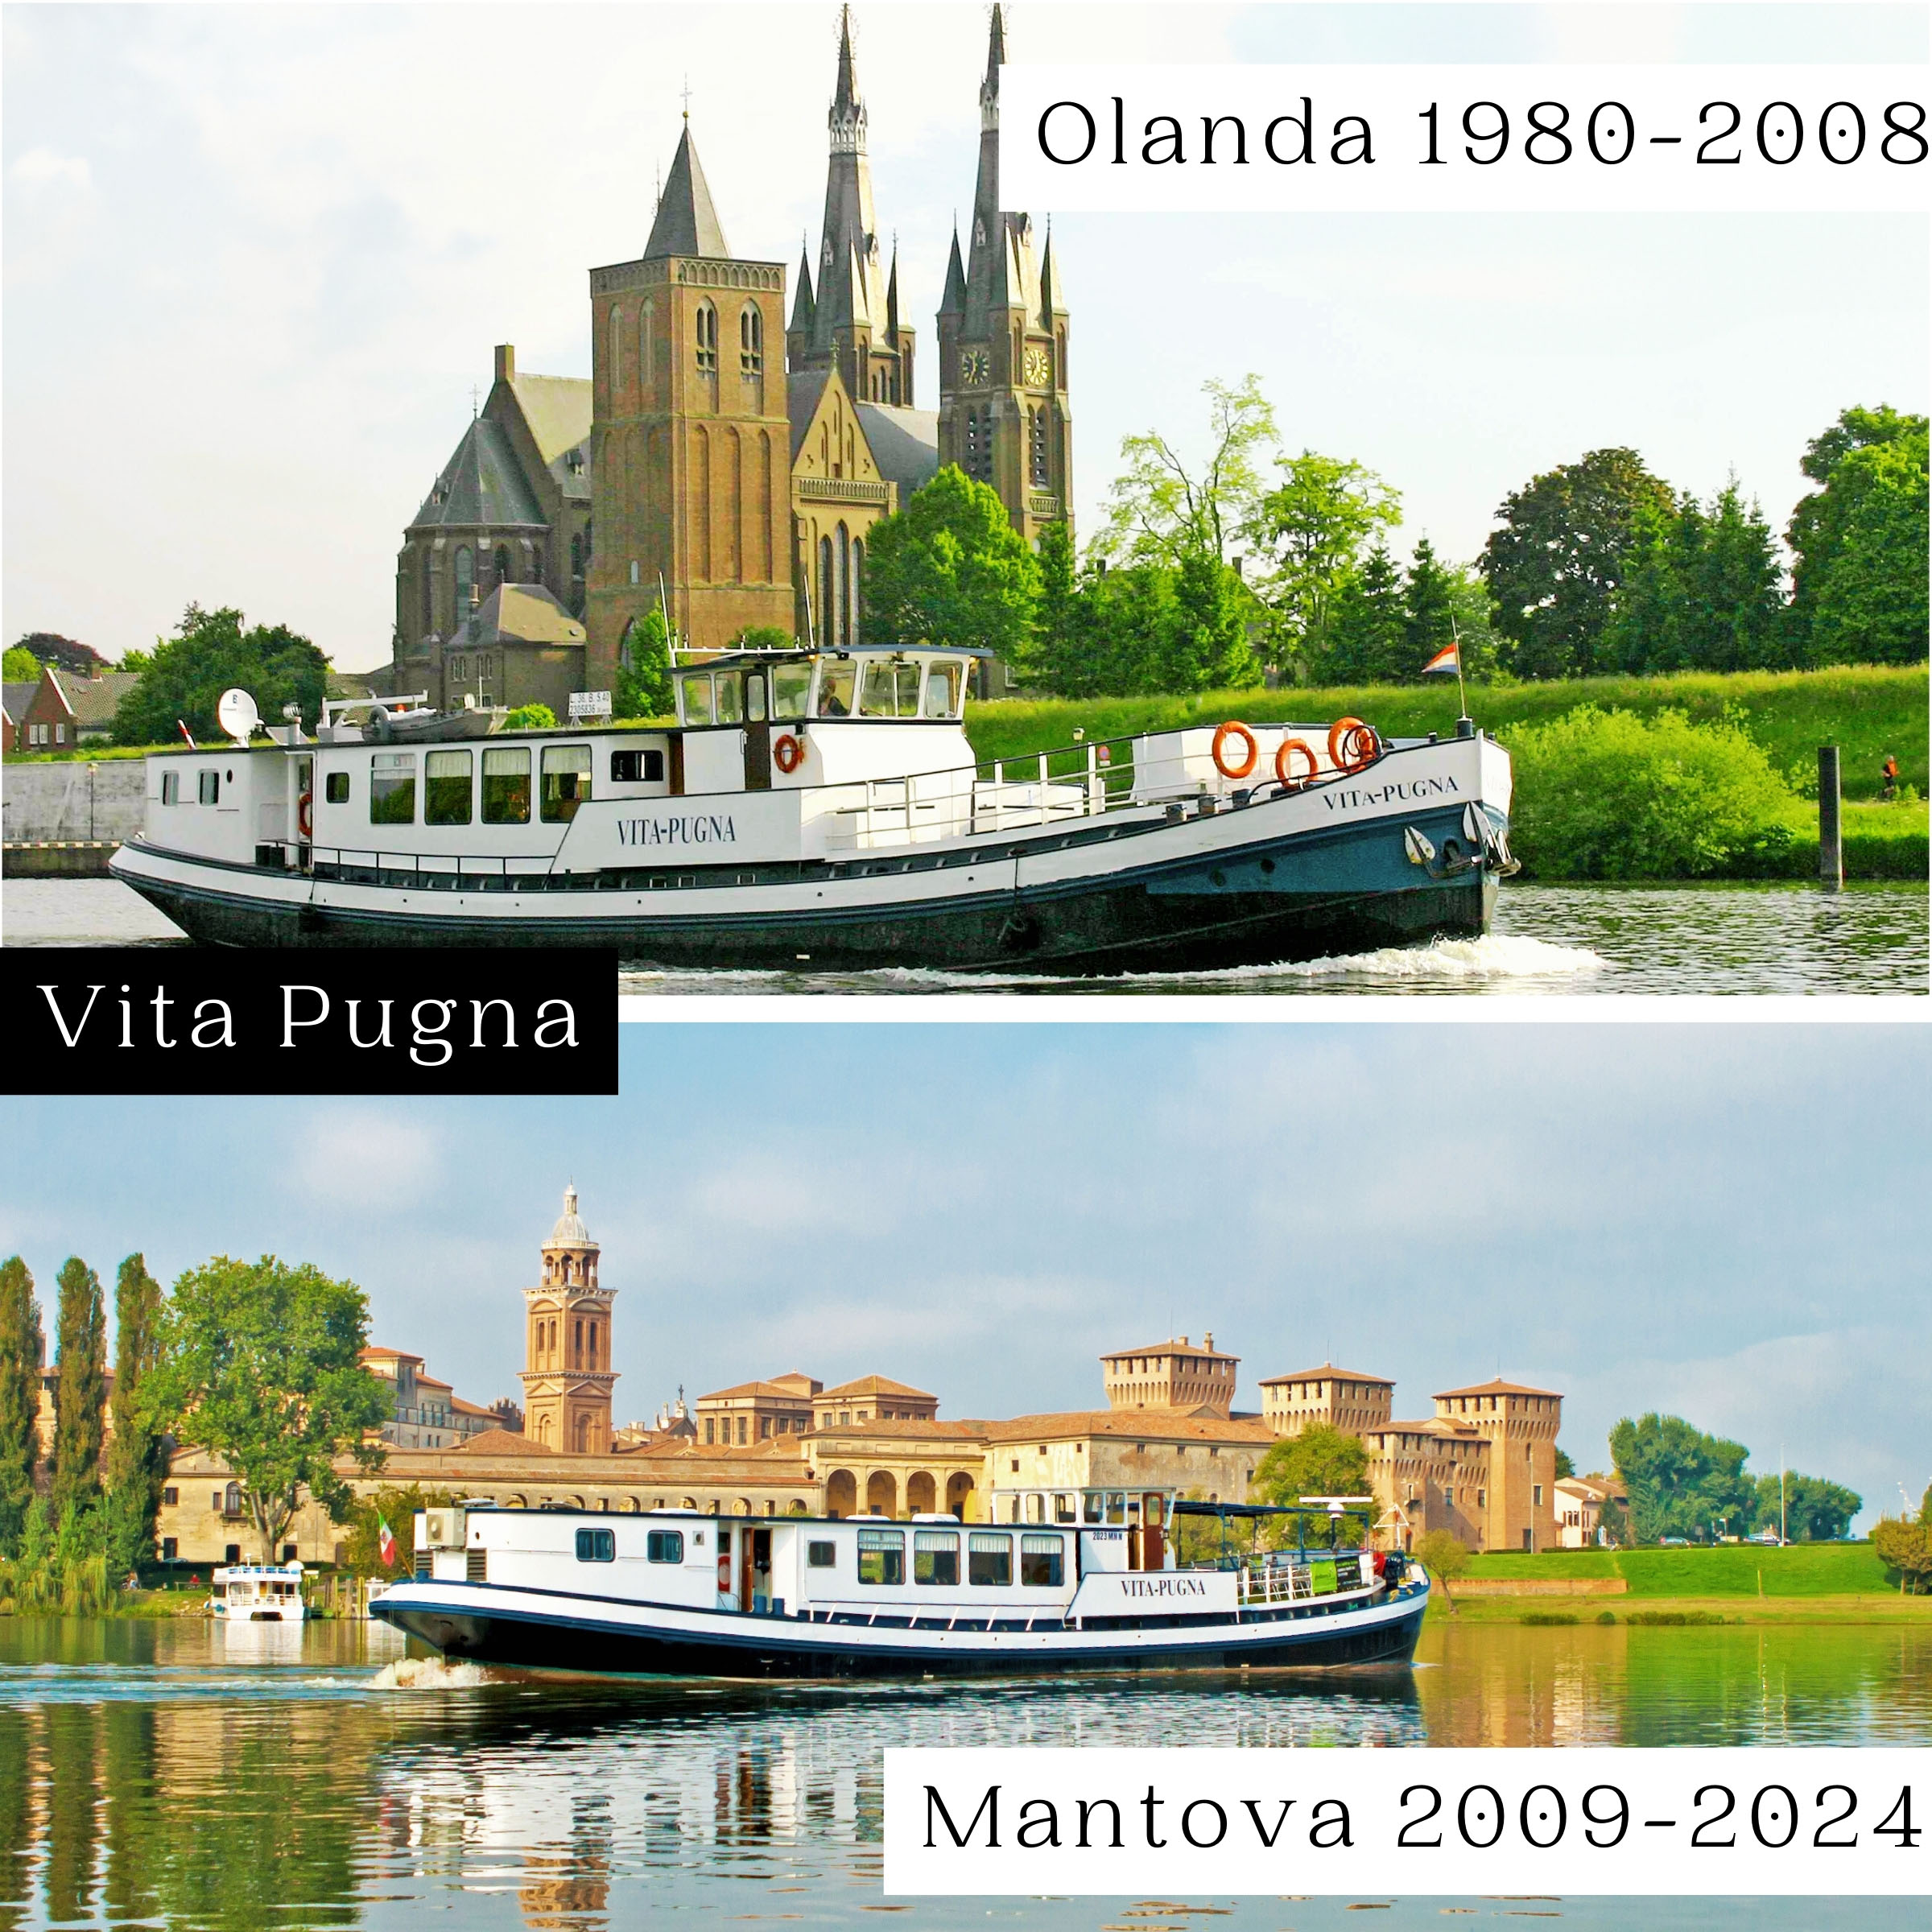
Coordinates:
[1090,1506]
[664,1546]
[392,788]
[754,698]
[727,697]
[566,782]
[1062,1510]
[335,788]
[446,788]
[836,683]
[989,1558]
[889,690]
[597,1545]
[881,1556]
[943,685]
[208,788]
[694,698]
[632,767]
[1116,1508]
[506,784]
[791,689]
[1042,1560]
[171,788]
[821,1556]
[936,1556]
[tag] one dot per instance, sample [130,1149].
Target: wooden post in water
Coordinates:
[1830,839]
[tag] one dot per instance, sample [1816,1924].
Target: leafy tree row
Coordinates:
[1682,1482]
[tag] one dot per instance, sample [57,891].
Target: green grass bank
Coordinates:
[1725,1569]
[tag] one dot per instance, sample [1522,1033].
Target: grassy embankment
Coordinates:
[1866,710]
[1801,1584]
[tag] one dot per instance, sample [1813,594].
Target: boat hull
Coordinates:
[525,1631]
[1224,893]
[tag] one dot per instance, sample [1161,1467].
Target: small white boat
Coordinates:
[815,811]
[1085,1580]
[258,1593]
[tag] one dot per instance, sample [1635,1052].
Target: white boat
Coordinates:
[813,811]
[258,1593]
[1087,1580]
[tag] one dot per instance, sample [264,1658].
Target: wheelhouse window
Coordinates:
[728,703]
[1062,1510]
[506,784]
[1090,1506]
[664,1546]
[821,1556]
[392,788]
[566,782]
[791,689]
[1043,1562]
[989,1558]
[171,788]
[936,1556]
[836,683]
[636,767]
[944,683]
[446,787]
[208,788]
[890,690]
[596,1546]
[694,698]
[1116,1508]
[754,699]
[881,1556]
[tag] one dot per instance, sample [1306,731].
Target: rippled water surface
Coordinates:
[183,1775]
[1548,939]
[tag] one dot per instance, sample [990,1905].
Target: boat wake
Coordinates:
[428,1674]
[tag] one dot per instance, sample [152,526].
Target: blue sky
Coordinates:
[1730,1222]
[255,257]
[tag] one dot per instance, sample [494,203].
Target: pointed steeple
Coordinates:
[953,301]
[892,295]
[687,223]
[989,278]
[1053,297]
[996,49]
[845,94]
[801,305]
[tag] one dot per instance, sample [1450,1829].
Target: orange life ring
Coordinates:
[1290,745]
[1222,732]
[1352,744]
[305,820]
[787,753]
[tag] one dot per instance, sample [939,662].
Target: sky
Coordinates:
[1728,1223]
[255,259]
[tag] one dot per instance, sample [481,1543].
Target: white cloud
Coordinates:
[363,1160]
[41,170]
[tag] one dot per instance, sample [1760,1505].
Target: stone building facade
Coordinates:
[1334,1398]
[1173,1374]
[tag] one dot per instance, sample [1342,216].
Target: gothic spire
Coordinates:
[845,95]
[850,292]
[892,296]
[687,223]
[1053,297]
[801,304]
[953,301]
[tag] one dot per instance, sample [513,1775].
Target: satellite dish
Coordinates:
[236,715]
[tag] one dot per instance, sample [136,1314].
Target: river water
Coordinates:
[1554,939]
[184,1775]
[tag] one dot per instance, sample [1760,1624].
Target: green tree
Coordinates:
[1681,1481]
[1363,642]
[1904,1547]
[23,1347]
[136,1459]
[1564,1466]
[1207,646]
[396,1505]
[1057,660]
[759,637]
[534,717]
[1160,511]
[1445,1558]
[20,666]
[79,1385]
[1428,611]
[643,686]
[1129,617]
[260,1364]
[1555,565]
[1309,531]
[184,676]
[1813,1511]
[949,569]
[1321,1461]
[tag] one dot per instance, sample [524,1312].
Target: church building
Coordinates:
[728,461]
[568,1379]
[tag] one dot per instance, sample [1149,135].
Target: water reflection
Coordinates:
[158,1775]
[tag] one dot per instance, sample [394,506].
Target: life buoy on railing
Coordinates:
[1291,748]
[787,753]
[305,817]
[1233,729]
[723,1562]
[1352,744]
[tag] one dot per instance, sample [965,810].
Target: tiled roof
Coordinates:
[1499,1387]
[904,443]
[776,1390]
[912,1428]
[1168,1425]
[687,223]
[1175,1344]
[528,613]
[1327,1372]
[873,1384]
[502,1442]
[482,485]
[93,701]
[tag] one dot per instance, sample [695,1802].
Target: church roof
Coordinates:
[569,1231]
[801,393]
[849,291]
[503,1442]
[904,443]
[482,485]
[802,308]
[556,411]
[527,613]
[953,301]
[687,223]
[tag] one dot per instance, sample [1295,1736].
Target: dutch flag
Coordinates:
[1449,658]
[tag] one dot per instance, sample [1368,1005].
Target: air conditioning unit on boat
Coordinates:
[442,1530]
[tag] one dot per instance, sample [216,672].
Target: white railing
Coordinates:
[1277,1582]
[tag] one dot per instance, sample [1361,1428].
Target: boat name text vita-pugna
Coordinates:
[815,811]
[1076,1581]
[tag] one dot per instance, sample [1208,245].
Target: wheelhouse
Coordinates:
[879,686]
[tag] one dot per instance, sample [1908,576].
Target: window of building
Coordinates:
[1042,1561]
[231,1552]
[881,1556]
[664,1546]
[208,788]
[506,784]
[502,564]
[1036,443]
[288,1553]
[751,341]
[1536,1494]
[821,1556]
[710,1425]
[392,788]
[446,788]
[171,788]
[707,340]
[636,767]
[465,576]
[1482,1499]
[596,1546]
[169,1548]
[566,782]
[231,1500]
[936,1556]
[989,1558]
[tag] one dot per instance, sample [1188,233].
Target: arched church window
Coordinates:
[465,576]
[589,547]
[751,340]
[842,606]
[647,324]
[576,556]
[502,564]
[858,573]
[617,351]
[825,602]
[426,571]
[708,340]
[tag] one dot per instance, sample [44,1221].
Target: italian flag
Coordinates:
[1449,658]
[386,1544]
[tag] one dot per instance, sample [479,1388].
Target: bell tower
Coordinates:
[568,1379]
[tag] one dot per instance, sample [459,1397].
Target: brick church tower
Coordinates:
[566,1386]
[691,445]
[1004,416]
